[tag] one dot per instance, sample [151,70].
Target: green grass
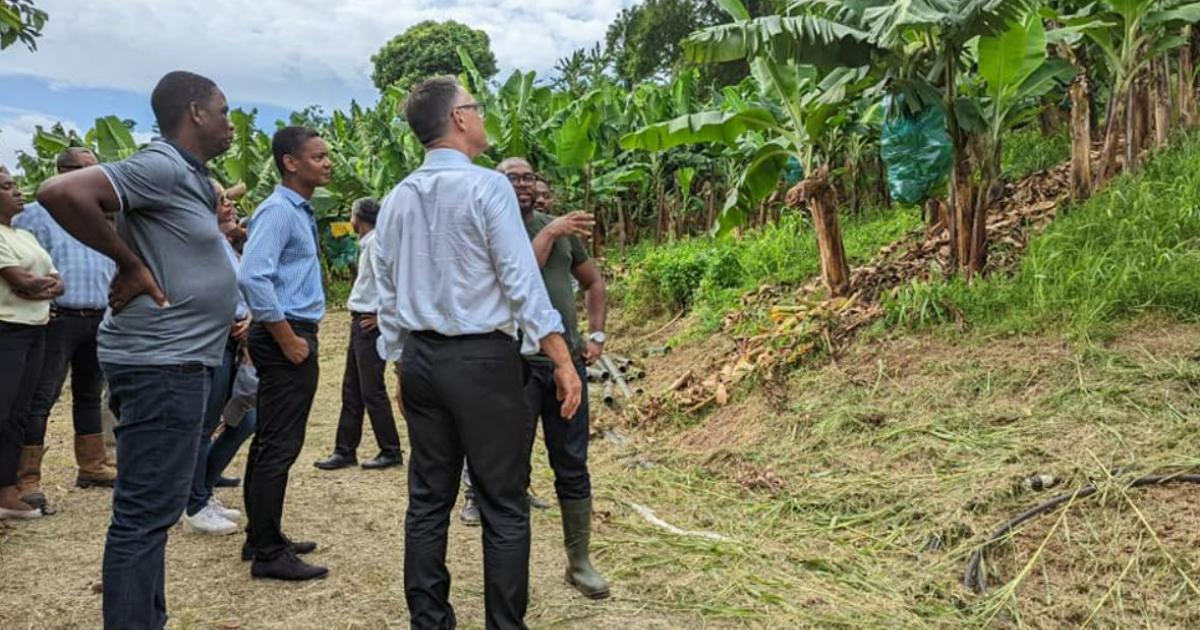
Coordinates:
[1130,249]
[1026,151]
[709,275]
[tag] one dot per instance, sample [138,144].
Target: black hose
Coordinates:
[974,577]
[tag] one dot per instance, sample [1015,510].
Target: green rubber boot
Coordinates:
[577,536]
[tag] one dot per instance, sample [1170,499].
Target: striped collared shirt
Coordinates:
[86,273]
[452,257]
[280,274]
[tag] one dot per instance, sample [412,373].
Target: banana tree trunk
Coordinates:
[1187,85]
[1160,96]
[1108,154]
[1134,119]
[817,192]
[960,198]
[1081,138]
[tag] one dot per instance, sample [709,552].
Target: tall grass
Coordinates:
[1026,151]
[1131,249]
[709,275]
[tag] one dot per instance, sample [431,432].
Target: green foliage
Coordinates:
[21,21]
[710,274]
[431,48]
[1129,250]
[1028,151]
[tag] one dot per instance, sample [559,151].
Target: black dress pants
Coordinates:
[364,391]
[70,343]
[463,396]
[21,352]
[285,397]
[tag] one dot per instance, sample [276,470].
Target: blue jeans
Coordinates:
[225,447]
[218,393]
[161,409]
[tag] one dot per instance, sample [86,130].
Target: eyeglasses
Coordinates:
[523,178]
[478,107]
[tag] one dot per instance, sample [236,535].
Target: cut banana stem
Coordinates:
[609,398]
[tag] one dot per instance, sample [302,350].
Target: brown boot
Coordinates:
[11,506]
[90,455]
[29,475]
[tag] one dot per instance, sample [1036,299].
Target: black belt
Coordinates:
[304,326]
[436,336]
[77,312]
[356,314]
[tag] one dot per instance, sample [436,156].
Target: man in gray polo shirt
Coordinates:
[171,306]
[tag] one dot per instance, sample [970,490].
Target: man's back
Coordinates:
[456,256]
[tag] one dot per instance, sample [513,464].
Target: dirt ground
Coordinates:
[50,568]
[849,494]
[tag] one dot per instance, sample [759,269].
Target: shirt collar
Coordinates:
[192,160]
[446,157]
[293,197]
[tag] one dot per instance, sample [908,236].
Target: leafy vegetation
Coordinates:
[21,21]
[1129,250]
[429,49]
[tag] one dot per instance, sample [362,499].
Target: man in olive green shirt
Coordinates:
[564,261]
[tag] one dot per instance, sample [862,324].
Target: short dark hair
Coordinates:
[290,141]
[427,108]
[366,209]
[175,92]
[64,158]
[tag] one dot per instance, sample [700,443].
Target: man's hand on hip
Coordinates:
[131,282]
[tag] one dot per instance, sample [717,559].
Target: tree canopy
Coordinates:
[20,21]
[428,49]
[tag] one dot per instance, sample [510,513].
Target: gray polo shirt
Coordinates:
[168,217]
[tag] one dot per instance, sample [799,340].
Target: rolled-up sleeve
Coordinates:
[516,268]
[390,344]
[257,275]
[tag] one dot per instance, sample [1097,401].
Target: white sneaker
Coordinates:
[228,514]
[209,521]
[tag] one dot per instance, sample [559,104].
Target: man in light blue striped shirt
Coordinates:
[70,343]
[281,279]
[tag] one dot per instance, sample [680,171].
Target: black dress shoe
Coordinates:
[384,460]
[228,482]
[288,566]
[336,461]
[301,548]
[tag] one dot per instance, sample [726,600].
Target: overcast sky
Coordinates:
[103,56]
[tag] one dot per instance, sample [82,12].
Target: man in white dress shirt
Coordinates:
[458,284]
[364,390]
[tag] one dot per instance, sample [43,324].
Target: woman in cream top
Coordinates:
[28,282]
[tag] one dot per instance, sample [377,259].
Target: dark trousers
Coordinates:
[21,353]
[225,446]
[218,393]
[566,442]
[364,390]
[285,397]
[70,343]
[463,396]
[160,412]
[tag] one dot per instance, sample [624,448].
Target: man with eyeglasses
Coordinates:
[457,279]
[70,343]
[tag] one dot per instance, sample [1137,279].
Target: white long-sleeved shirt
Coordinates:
[364,297]
[452,257]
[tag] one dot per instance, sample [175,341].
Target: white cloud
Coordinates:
[286,52]
[16,132]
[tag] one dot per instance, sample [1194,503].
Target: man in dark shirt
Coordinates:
[563,258]
[170,302]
